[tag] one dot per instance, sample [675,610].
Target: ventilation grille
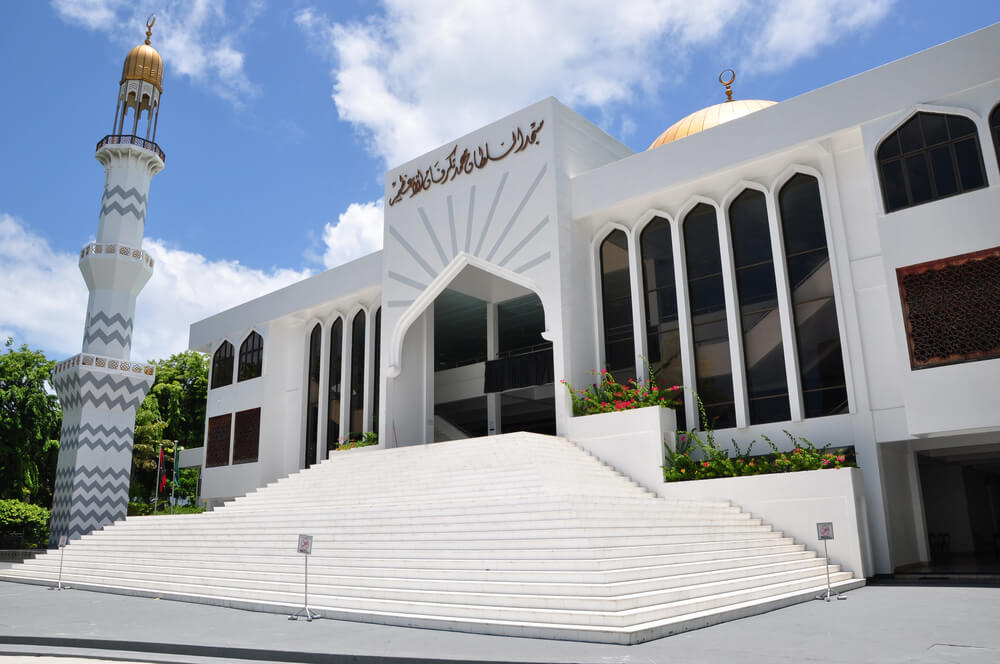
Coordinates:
[951,309]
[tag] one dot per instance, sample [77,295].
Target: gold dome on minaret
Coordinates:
[143,63]
[712,116]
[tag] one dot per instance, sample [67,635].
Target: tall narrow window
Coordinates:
[995,131]
[709,327]
[662,329]
[251,357]
[333,394]
[817,335]
[616,295]
[377,340]
[312,395]
[757,294]
[930,156]
[222,365]
[357,421]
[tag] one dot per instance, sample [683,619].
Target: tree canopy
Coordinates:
[172,414]
[30,419]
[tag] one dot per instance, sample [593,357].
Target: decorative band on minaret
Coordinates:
[101,389]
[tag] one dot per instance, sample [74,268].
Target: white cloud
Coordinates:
[798,28]
[418,74]
[358,232]
[44,298]
[196,39]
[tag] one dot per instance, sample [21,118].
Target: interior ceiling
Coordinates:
[987,456]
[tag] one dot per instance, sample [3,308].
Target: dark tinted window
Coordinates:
[251,357]
[333,391]
[222,365]
[930,156]
[312,394]
[357,415]
[709,331]
[377,341]
[659,285]
[814,311]
[616,298]
[757,295]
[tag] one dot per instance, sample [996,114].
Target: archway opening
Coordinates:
[487,369]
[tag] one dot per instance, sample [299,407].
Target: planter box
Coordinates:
[630,441]
[794,503]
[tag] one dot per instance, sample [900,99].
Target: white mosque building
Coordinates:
[828,265]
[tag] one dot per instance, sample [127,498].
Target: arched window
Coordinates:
[817,335]
[709,326]
[357,415]
[251,357]
[659,285]
[930,156]
[757,295]
[377,340]
[995,131]
[333,394]
[312,394]
[616,297]
[222,365]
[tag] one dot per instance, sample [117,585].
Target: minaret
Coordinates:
[101,388]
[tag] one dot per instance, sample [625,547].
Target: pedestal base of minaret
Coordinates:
[100,397]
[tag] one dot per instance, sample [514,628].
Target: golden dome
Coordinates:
[712,116]
[143,63]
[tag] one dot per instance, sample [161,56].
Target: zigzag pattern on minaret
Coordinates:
[97,437]
[98,391]
[138,210]
[107,328]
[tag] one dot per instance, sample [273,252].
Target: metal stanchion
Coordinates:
[305,548]
[825,533]
[62,551]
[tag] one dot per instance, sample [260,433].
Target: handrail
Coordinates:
[132,139]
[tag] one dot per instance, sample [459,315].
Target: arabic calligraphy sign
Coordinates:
[469,160]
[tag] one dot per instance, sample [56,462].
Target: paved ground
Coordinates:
[875,624]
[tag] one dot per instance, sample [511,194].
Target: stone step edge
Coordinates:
[587,633]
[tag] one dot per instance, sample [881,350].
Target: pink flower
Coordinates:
[675,387]
[704,464]
[841,458]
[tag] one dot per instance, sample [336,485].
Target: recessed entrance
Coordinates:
[960,487]
[492,368]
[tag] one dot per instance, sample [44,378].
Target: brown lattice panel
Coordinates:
[951,309]
[246,438]
[217,445]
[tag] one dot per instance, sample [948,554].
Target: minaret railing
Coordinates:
[132,139]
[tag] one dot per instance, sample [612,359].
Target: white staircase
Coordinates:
[518,534]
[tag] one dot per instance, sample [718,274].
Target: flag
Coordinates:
[163,471]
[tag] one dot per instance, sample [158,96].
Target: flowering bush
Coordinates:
[367,438]
[697,458]
[609,396]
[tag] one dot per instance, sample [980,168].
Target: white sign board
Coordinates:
[305,544]
[62,541]
[824,531]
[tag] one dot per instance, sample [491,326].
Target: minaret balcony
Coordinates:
[132,139]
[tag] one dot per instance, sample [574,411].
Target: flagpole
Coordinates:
[173,480]
[156,496]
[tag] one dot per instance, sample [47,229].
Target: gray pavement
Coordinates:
[875,624]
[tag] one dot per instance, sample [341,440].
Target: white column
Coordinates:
[493,423]
[733,324]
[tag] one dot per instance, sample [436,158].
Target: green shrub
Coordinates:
[146,509]
[698,457]
[31,522]
[367,439]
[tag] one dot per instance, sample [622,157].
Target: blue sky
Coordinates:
[279,118]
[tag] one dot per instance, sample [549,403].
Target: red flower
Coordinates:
[704,464]
[675,387]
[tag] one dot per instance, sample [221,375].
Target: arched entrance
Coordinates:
[473,359]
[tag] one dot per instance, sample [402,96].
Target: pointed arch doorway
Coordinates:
[474,359]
